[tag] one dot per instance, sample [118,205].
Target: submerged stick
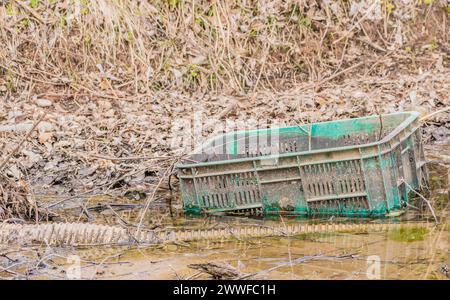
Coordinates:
[150,200]
[424,199]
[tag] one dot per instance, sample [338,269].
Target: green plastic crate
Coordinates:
[348,167]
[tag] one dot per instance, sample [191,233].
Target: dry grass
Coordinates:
[15,202]
[121,49]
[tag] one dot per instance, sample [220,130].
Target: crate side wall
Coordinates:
[362,180]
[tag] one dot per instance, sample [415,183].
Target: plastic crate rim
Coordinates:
[413,116]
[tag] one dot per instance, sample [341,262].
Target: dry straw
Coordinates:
[116,49]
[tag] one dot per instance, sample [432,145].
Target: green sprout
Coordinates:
[63,21]
[173,3]
[194,72]
[211,11]
[85,7]
[130,37]
[34,3]
[304,21]
[200,22]
[10,10]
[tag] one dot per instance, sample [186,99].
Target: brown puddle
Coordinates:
[394,254]
[416,253]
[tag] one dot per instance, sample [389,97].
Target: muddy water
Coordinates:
[394,254]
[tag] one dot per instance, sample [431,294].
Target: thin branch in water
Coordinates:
[424,199]
[150,200]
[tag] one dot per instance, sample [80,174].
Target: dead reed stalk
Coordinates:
[15,202]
